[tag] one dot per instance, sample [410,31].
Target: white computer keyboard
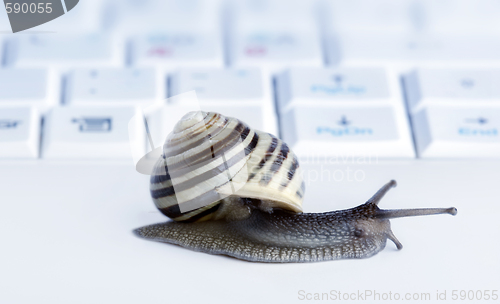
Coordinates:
[363,91]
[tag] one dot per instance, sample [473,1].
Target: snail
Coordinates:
[235,191]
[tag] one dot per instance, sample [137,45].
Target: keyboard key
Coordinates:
[177,33]
[320,91]
[114,86]
[19,132]
[29,87]
[175,49]
[262,35]
[64,51]
[275,15]
[462,16]
[373,16]
[351,86]
[452,87]
[405,51]
[276,50]
[242,93]
[444,132]
[314,132]
[220,85]
[90,133]
[140,17]
[409,16]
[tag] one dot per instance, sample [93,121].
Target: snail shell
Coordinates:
[236,191]
[209,157]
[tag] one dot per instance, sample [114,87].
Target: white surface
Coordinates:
[91,132]
[115,86]
[68,238]
[243,93]
[36,87]
[19,132]
[457,132]
[452,87]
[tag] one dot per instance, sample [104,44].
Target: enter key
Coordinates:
[457,132]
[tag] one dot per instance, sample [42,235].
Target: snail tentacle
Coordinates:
[375,199]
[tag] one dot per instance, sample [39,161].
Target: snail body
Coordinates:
[241,193]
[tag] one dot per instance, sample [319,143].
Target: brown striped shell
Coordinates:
[209,160]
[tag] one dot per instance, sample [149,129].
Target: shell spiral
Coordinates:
[209,158]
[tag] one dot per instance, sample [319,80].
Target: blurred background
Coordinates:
[309,71]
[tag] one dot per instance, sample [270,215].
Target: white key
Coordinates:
[177,33]
[64,51]
[114,86]
[334,132]
[452,87]
[405,16]
[29,87]
[90,133]
[462,16]
[405,51]
[457,132]
[276,50]
[262,34]
[133,16]
[275,14]
[19,132]
[171,50]
[220,85]
[373,16]
[349,86]
[242,93]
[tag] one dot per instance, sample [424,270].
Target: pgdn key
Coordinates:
[335,132]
